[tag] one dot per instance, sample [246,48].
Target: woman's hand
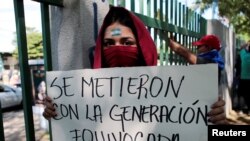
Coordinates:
[217,114]
[49,110]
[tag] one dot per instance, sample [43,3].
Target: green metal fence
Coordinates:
[23,60]
[165,17]
[162,17]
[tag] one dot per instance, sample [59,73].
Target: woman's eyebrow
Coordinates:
[108,39]
[128,37]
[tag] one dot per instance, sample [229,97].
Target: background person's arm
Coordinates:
[182,51]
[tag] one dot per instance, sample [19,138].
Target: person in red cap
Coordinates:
[207,51]
[209,40]
[124,41]
[207,48]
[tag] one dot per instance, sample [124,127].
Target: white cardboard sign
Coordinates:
[164,103]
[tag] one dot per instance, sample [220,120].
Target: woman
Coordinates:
[124,41]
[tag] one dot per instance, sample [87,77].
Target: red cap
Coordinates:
[209,40]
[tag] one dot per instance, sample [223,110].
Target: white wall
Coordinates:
[73,31]
[228,42]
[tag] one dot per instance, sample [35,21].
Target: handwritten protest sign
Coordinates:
[164,103]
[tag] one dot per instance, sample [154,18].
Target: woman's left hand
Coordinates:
[217,113]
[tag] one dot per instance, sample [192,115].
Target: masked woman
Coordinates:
[124,41]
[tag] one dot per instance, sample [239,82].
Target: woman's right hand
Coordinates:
[49,110]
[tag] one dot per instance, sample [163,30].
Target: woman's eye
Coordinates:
[128,43]
[108,43]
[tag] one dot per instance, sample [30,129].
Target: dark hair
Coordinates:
[121,16]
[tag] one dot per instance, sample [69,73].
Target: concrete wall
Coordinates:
[228,43]
[73,31]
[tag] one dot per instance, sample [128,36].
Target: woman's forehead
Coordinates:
[117,29]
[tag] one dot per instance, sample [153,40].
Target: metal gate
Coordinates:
[23,60]
[161,17]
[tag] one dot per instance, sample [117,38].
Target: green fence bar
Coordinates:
[178,23]
[111,2]
[161,56]
[178,20]
[133,5]
[149,8]
[171,11]
[46,43]
[122,3]
[141,3]
[155,16]
[175,15]
[52,2]
[46,36]
[1,124]
[166,32]
[24,69]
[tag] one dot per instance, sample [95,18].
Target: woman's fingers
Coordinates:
[218,119]
[219,103]
[49,113]
[217,114]
[49,110]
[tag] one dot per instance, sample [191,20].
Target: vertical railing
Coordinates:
[179,24]
[167,50]
[24,69]
[1,124]
[155,30]
[168,17]
[46,36]
[51,2]
[45,18]
[23,60]
[46,41]
[171,53]
[161,33]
